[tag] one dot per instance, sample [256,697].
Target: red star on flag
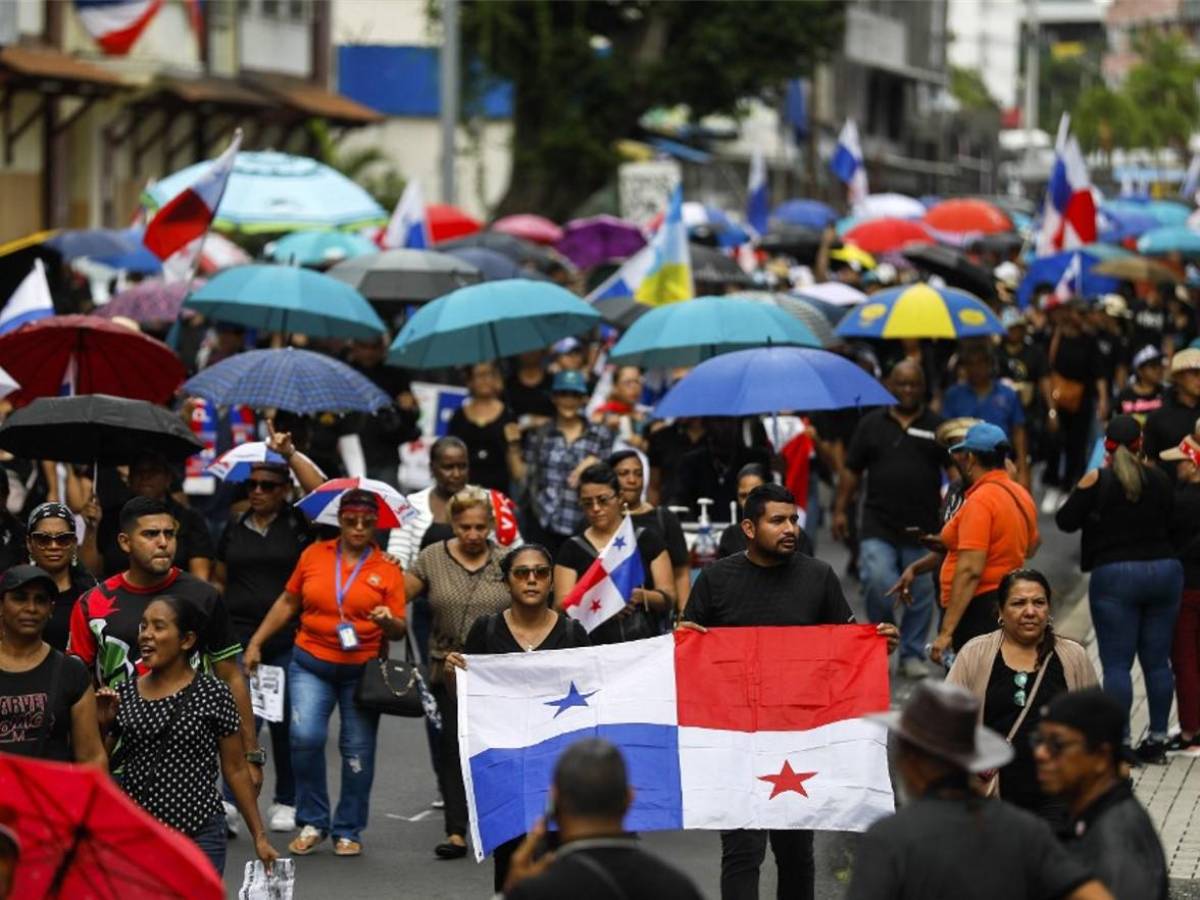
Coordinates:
[595,606]
[787,780]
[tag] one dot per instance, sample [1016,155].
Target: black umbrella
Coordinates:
[954,268]
[712,267]
[793,240]
[96,428]
[405,276]
[1003,243]
[519,250]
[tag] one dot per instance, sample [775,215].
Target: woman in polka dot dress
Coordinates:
[176,727]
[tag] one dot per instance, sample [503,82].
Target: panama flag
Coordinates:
[188,214]
[758,199]
[847,163]
[1069,214]
[30,301]
[116,24]
[608,584]
[734,728]
[1070,284]
[659,273]
[407,228]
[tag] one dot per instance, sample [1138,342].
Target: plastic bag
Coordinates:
[278,885]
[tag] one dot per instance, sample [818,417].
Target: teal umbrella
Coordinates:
[319,248]
[689,332]
[1170,239]
[286,299]
[489,321]
[1165,212]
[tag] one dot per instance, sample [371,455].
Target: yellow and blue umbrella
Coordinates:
[920,311]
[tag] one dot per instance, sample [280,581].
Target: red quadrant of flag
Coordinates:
[779,679]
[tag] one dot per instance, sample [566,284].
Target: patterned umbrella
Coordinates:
[804,310]
[150,301]
[236,464]
[920,311]
[322,504]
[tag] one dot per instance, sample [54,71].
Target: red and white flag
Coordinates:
[608,584]
[188,214]
[116,24]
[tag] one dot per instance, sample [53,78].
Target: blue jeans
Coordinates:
[316,687]
[281,748]
[1134,605]
[879,566]
[212,842]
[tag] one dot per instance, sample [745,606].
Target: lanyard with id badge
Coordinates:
[346,633]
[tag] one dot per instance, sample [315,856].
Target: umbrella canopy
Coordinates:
[712,267]
[235,465]
[1003,243]
[218,253]
[286,299]
[772,380]
[406,276]
[269,191]
[1117,224]
[1170,239]
[1164,212]
[967,216]
[493,266]
[686,333]
[804,310]
[82,836]
[792,240]
[833,292]
[139,260]
[1125,268]
[298,381]
[96,428]
[446,222]
[322,504]
[152,302]
[599,239]
[319,248]
[708,224]
[94,243]
[806,213]
[1046,271]
[519,250]
[890,206]
[538,229]
[884,235]
[920,311]
[490,321]
[954,268]
[89,355]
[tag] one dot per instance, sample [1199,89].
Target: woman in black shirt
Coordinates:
[482,423]
[1076,391]
[52,544]
[527,625]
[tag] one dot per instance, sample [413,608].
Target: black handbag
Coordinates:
[393,687]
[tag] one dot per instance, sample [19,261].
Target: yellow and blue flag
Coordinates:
[659,273]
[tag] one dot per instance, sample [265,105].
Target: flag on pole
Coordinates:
[757,193]
[659,273]
[1070,283]
[30,301]
[408,227]
[734,728]
[116,24]
[188,214]
[608,584]
[1069,213]
[847,163]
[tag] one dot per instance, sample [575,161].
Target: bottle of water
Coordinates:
[948,656]
[704,550]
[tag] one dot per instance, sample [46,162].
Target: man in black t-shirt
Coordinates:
[382,432]
[1176,418]
[769,584]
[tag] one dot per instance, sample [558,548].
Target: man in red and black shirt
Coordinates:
[105,620]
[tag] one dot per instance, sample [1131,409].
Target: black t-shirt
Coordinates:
[491,634]
[704,474]
[257,569]
[1112,350]
[1078,358]
[487,448]
[1140,406]
[903,471]
[932,848]
[665,449]
[1115,529]
[637,874]
[1149,324]
[1117,841]
[193,541]
[25,704]
[13,551]
[1167,426]
[736,591]
[666,525]
[578,554]
[1024,365]
[58,629]
[528,401]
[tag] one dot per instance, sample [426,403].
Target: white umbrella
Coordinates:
[834,292]
[888,206]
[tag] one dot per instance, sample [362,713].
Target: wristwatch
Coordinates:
[257,757]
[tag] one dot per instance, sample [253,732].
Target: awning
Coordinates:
[313,100]
[43,64]
[212,92]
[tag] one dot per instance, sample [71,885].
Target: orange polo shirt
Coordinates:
[997,516]
[379,583]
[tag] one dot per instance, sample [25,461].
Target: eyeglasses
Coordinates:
[367,522]
[254,484]
[596,502]
[1020,680]
[1054,745]
[44,539]
[522,573]
[152,534]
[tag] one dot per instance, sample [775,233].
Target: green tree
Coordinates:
[1105,120]
[968,88]
[583,74]
[1162,88]
[368,166]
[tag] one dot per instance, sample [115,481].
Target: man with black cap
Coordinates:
[948,842]
[1077,749]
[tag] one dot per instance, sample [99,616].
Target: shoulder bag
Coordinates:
[1067,393]
[395,687]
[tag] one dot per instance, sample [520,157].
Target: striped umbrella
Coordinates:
[236,464]
[322,504]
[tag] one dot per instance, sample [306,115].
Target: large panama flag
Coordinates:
[659,273]
[734,728]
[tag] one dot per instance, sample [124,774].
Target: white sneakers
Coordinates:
[914,668]
[281,818]
[1051,501]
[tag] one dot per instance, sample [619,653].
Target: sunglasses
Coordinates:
[522,573]
[596,502]
[1020,680]
[367,522]
[44,539]
[255,484]
[1053,745]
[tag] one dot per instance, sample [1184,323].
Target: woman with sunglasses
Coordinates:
[526,625]
[1015,671]
[53,547]
[349,599]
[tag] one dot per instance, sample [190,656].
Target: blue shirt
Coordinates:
[1001,406]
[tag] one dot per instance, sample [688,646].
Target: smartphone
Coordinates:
[914,531]
[550,839]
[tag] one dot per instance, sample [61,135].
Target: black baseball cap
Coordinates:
[19,576]
[1099,717]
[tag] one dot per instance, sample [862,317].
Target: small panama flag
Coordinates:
[608,584]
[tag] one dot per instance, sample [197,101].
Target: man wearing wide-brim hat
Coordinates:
[1175,419]
[947,841]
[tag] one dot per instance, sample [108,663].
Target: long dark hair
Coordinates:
[1046,645]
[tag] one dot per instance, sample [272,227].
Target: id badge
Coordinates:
[347,636]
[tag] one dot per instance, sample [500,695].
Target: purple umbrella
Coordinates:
[599,239]
[149,301]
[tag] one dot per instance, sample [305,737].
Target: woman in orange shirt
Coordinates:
[350,598]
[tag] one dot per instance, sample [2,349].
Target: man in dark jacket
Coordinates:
[1078,743]
[1176,418]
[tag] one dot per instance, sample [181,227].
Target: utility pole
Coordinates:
[450,94]
[1032,61]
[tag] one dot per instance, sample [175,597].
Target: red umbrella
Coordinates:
[107,359]
[447,222]
[967,215]
[82,837]
[538,229]
[886,235]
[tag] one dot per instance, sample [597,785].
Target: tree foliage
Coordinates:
[584,73]
[969,89]
[370,167]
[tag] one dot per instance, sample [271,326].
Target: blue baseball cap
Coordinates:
[982,438]
[569,381]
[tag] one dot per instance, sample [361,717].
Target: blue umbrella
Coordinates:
[319,248]
[490,321]
[94,243]
[494,266]
[809,213]
[1119,224]
[286,299]
[772,380]
[1170,239]
[1165,212]
[1047,270]
[689,332]
[269,191]
[298,381]
[920,311]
